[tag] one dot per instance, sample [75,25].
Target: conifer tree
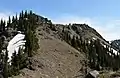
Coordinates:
[13,19]
[25,14]
[69,39]
[8,23]
[5,70]
[16,18]
[4,24]
[73,42]
[1,56]
[31,12]
[1,25]
[16,22]
[22,14]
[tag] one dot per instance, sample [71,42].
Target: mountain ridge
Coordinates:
[57,50]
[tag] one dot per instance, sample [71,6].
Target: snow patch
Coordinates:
[80,28]
[117,43]
[89,42]
[115,52]
[14,45]
[103,45]
[94,38]
[110,54]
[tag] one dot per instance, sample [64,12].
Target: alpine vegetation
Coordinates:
[17,43]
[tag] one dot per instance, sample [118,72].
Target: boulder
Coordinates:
[92,74]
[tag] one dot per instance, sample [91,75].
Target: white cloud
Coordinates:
[109,29]
[5,15]
[66,19]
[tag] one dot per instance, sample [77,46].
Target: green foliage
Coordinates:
[5,68]
[73,42]
[27,25]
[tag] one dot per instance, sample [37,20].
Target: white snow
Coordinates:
[80,28]
[15,44]
[117,43]
[94,38]
[114,51]
[110,54]
[103,45]
[89,42]
[94,73]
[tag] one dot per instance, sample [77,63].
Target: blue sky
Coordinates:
[103,15]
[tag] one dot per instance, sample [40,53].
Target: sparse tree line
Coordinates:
[99,57]
[26,23]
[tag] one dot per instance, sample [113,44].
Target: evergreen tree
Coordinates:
[31,12]
[4,24]
[16,22]
[73,42]
[14,64]
[69,39]
[8,23]
[22,14]
[13,19]
[1,57]
[13,22]
[16,18]
[26,14]
[5,70]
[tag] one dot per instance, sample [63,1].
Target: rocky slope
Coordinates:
[55,58]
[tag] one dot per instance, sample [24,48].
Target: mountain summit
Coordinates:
[54,50]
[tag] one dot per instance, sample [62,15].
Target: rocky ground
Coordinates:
[54,59]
